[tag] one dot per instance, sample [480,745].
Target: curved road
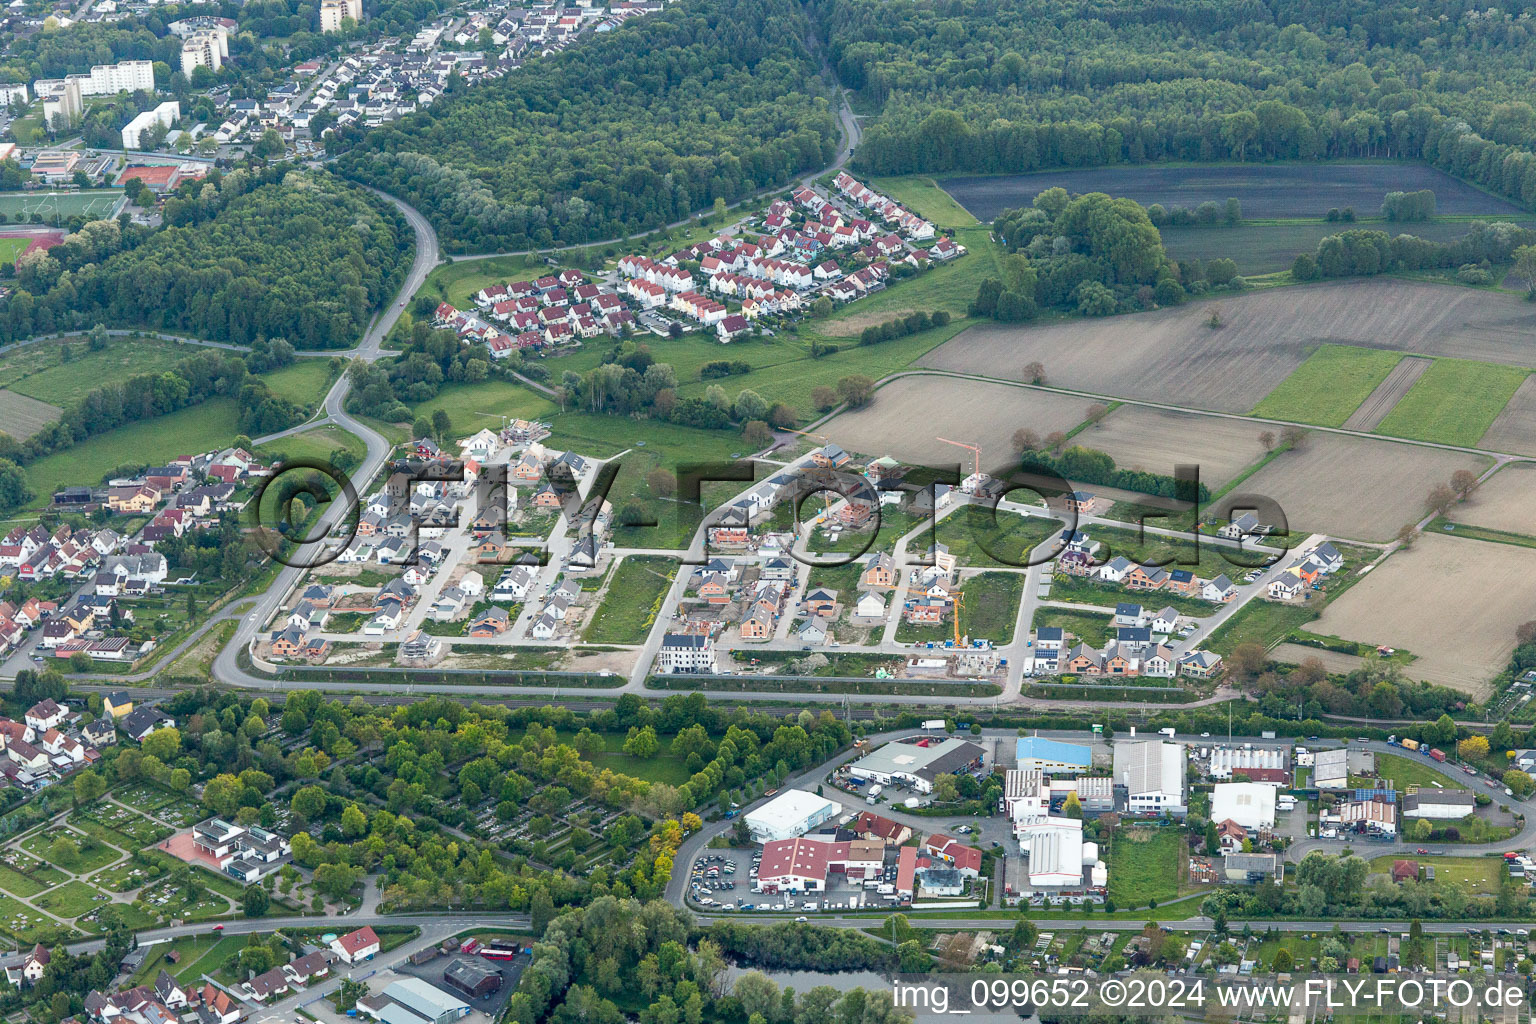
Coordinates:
[226,667]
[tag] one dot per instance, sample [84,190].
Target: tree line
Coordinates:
[630,130]
[1365,252]
[144,396]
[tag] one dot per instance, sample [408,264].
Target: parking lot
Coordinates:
[713,887]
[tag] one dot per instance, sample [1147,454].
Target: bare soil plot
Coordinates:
[1514,430]
[909,415]
[1454,603]
[1265,190]
[1171,356]
[1156,440]
[1380,401]
[21,417]
[1506,501]
[1353,487]
[1334,661]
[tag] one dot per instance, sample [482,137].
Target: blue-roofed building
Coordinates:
[1053,757]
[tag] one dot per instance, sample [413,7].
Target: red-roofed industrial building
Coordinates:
[802,864]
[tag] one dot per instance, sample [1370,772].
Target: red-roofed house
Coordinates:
[965,859]
[355,946]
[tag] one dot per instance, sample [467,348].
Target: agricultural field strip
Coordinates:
[1385,396]
[1502,457]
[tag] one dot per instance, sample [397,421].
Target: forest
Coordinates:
[993,86]
[279,252]
[625,132]
[614,956]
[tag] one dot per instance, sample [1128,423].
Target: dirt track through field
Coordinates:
[1171,356]
[1386,394]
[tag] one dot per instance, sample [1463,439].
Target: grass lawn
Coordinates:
[69,900]
[457,282]
[1454,402]
[194,429]
[187,949]
[472,406]
[979,540]
[304,381]
[39,371]
[1404,772]
[1091,628]
[634,596]
[315,444]
[661,768]
[1474,874]
[1329,386]
[949,286]
[10,248]
[94,854]
[213,957]
[1144,864]
[1262,622]
[18,884]
[923,196]
[991,605]
[793,381]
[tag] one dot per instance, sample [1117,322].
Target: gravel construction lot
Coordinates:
[1353,487]
[21,417]
[1386,394]
[1156,440]
[1265,190]
[1172,356]
[1454,603]
[909,414]
[1515,428]
[1506,501]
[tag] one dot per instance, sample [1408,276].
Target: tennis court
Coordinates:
[98,204]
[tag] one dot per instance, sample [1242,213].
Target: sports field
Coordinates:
[93,203]
[12,246]
[1329,386]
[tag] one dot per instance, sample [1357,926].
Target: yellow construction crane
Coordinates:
[974,450]
[959,604]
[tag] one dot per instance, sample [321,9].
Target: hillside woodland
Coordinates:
[631,130]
